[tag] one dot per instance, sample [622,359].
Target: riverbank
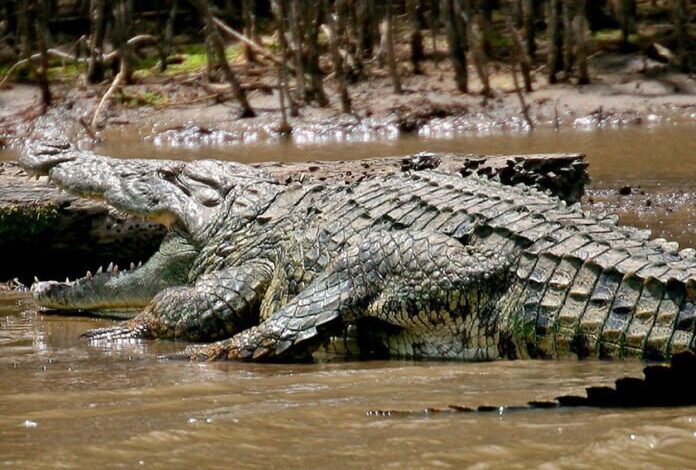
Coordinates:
[186,111]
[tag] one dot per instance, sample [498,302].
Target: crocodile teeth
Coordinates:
[132,265]
[67,280]
[110,267]
[140,263]
[115,270]
[36,279]
[100,270]
[88,275]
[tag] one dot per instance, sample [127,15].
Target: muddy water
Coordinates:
[645,154]
[67,403]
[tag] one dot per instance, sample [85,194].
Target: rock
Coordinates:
[625,190]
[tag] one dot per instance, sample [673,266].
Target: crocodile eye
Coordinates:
[208,197]
[168,173]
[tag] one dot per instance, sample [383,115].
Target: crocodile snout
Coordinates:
[38,157]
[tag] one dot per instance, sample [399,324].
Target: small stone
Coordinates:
[625,190]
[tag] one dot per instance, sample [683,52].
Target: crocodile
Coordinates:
[414,264]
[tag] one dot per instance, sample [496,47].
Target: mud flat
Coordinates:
[47,232]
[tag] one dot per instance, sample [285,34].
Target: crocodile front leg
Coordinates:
[415,282]
[217,306]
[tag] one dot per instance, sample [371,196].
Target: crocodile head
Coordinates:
[190,198]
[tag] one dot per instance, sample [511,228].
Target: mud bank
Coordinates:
[626,90]
[46,232]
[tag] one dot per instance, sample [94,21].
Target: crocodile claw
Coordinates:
[38,157]
[130,331]
[249,345]
[212,352]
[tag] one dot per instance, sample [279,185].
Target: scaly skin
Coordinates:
[419,264]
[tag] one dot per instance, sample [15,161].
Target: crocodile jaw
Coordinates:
[102,291]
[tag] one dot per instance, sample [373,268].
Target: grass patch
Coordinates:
[57,71]
[18,222]
[613,36]
[69,71]
[498,40]
[193,58]
[135,99]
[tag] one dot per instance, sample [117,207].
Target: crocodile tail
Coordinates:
[605,300]
[662,385]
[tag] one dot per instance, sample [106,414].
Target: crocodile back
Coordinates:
[582,284]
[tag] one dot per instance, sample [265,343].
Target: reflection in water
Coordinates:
[68,403]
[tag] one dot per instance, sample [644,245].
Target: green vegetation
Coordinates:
[26,221]
[612,37]
[68,71]
[135,99]
[191,58]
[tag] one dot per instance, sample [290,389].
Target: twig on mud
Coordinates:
[114,86]
[216,88]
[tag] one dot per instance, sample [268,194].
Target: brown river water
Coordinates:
[66,403]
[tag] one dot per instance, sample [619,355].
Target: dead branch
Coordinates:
[200,99]
[88,130]
[24,62]
[222,26]
[220,89]
[97,112]
[135,41]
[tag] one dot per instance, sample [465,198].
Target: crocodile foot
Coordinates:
[254,344]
